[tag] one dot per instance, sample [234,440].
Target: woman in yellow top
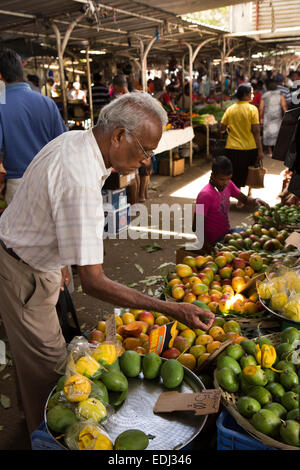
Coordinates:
[243,145]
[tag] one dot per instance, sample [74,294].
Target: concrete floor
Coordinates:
[122,256]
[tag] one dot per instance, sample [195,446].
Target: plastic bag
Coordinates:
[87,435]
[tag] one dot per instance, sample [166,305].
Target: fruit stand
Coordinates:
[248,360]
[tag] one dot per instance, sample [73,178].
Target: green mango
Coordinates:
[60,417]
[132,439]
[99,391]
[260,341]
[115,381]
[282,365]
[266,422]
[172,373]
[151,364]
[290,432]
[261,394]
[247,406]
[294,414]
[257,377]
[277,409]
[227,379]
[247,360]
[131,363]
[276,389]
[58,398]
[60,384]
[235,351]
[249,346]
[290,334]
[227,361]
[288,379]
[244,385]
[283,348]
[290,400]
[271,375]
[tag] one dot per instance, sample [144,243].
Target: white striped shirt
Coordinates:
[56,217]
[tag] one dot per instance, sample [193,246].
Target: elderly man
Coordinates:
[56,219]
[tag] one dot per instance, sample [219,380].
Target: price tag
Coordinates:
[202,403]
[111,331]
[293,239]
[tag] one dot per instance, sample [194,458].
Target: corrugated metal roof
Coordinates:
[111,25]
[190,6]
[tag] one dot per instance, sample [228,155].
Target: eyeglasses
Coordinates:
[144,151]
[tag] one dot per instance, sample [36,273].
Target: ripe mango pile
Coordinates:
[282,293]
[265,381]
[190,347]
[217,281]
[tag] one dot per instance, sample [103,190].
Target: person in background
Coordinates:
[168,98]
[76,93]
[119,86]
[257,95]
[46,89]
[284,91]
[34,82]
[271,109]
[243,145]
[295,90]
[38,122]
[100,93]
[213,203]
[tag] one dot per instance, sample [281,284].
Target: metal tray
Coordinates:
[278,314]
[171,430]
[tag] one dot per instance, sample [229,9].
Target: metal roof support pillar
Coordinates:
[144,62]
[88,71]
[61,46]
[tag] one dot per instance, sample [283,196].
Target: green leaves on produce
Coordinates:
[139,268]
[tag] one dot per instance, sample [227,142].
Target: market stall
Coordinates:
[174,138]
[243,370]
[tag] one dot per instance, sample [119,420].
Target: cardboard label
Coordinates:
[111,330]
[162,338]
[293,239]
[203,403]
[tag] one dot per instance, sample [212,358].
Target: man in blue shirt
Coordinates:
[28,121]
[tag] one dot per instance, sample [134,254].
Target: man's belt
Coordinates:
[11,252]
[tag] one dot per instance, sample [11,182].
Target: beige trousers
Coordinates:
[27,306]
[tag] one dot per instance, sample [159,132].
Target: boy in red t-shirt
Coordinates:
[213,203]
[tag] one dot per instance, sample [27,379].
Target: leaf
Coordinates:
[5,376]
[151,248]
[79,289]
[5,401]
[165,264]
[139,268]
[132,284]
[150,292]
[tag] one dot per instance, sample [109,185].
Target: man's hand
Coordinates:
[193,316]
[65,277]
[260,202]
[260,157]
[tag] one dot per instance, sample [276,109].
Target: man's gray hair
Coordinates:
[129,112]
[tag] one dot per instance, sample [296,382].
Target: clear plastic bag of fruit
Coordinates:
[276,270]
[87,435]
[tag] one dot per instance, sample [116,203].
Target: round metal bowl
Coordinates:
[278,314]
[170,430]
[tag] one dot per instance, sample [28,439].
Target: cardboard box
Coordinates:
[116,220]
[177,167]
[118,181]
[114,198]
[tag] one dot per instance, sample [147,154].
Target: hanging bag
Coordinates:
[67,315]
[255,177]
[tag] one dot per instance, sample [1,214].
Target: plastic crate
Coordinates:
[232,437]
[41,439]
